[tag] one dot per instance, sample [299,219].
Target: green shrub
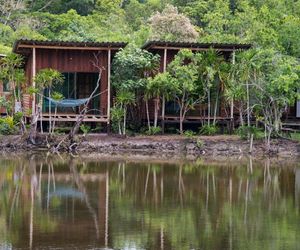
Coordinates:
[17,118]
[153,131]
[7,126]
[85,129]
[189,133]
[244,131]
[208,130]
[97,129]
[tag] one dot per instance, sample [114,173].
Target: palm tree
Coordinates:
[159,88]
[247,72]
[47,78]
[209,70]
[125,98]
[10,70]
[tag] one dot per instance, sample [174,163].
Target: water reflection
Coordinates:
[66,203]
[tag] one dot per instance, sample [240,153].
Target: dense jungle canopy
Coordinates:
[263,23]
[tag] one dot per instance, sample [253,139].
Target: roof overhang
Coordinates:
[154,45]
[22,46]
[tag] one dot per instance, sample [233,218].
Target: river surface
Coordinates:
[70,203]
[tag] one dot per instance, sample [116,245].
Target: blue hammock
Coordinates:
[67,103]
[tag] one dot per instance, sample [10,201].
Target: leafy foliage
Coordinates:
[209,130]
[153,131]
[169,25]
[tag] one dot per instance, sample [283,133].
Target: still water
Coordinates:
[70,203]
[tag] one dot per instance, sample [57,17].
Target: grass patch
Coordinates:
[295,136]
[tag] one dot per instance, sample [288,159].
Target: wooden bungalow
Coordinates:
[167,52]
[77,62]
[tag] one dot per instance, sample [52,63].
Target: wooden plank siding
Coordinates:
[72,61]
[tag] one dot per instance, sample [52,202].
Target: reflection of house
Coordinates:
[76,60]
[73,212]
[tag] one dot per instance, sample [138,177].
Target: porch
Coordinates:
[65,117]
[77,87]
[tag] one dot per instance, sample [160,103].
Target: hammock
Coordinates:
[67,103]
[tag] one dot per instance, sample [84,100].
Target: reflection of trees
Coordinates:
[28,197]
[218,207]
[155,206]
[82,189]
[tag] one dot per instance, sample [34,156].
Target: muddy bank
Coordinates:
[198,146]
[165,146]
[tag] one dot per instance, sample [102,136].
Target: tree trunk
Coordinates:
[33,127]
[241,114]
[181,120]
[163,111]
[208,107]
[49,110]
[216,107]
[156,101]
[124,121]
[75,129]
[55,113]
[119,125]
[248,105]
[148,116]
[268,146]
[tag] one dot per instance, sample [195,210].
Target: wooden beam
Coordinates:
[108,86]
[193,49]
[165,60]
[33,78]
[66,47]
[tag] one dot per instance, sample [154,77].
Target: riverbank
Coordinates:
[164,146]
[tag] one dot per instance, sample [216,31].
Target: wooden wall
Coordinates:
[67,60]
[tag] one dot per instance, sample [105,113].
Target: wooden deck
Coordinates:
[74,117]
[174,118]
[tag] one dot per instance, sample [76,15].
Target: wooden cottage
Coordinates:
[167,52]
[79,62]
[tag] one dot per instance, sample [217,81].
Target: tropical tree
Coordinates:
[47,79]
[276,89]
[184,79]
[117,116]
[10,70]
[159,88]
[169,25]
[124,99]
[209,71]
[131,68]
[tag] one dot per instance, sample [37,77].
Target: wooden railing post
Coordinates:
[108,90]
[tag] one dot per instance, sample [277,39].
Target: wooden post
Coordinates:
[164,101]
[232,101]
[33,80]
[232,104]
[108,89]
